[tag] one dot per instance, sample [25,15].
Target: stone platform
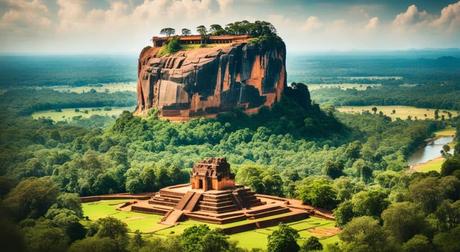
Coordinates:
[181,202]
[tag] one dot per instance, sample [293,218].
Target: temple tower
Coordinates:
[212,174]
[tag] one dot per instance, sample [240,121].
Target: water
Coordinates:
[431,151]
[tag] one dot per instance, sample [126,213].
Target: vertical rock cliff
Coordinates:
[206,81]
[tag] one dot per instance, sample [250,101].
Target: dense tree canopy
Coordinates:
[283,239]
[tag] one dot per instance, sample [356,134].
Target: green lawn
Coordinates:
[149,225]
[401,112]
[69,113]
[258,238]
[432,165]
[135,221]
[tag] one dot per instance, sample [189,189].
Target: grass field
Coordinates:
[342,86]
[432,165]
[69,113]
[306,228]
[149,225]
[401,112]
[135,221]
[106,87]
[445,132]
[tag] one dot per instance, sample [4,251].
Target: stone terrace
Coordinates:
[181,202]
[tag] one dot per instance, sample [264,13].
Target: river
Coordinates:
[430,151]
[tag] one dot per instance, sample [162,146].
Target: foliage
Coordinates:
[216,30]
[418,243]
[318,192]
[168,31]
[364,234]
[326,158]
[260,179]
[186,32]
[31,197]
[94,244]
[25,101]
[169,244]
[42,237]
[404,220]
[434,95]
[311,244]
[283,239]
[202,238]
[448,241]
[110,227]
[171,46]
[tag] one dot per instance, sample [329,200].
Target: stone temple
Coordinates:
[213,197]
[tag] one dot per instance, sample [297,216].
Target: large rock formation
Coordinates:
[206,81]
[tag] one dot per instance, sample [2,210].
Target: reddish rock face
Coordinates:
[207,81]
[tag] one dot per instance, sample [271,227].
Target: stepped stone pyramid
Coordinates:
[212,196]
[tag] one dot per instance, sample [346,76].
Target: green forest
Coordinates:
[441,95]
[354,165]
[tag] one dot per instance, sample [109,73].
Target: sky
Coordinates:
[113,26]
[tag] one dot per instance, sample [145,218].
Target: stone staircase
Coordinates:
[166,198]
[266,211]
[192,203]
[218,202]
[247,198]
[172,217]
[184,200]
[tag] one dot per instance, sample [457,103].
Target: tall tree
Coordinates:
[403,220]
[216,29]
[201,29]
[186,31]
[364,234]
[32,197]
[168,31]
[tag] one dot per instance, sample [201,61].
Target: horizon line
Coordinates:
[295,51]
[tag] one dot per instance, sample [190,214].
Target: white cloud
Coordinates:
[372,23]
[25,14]
[411,16]
[79,26]
[449,18]
[224,4]
[312,23]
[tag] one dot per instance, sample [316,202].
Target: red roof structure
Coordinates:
[197,39]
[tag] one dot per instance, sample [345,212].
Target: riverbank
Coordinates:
[434,164]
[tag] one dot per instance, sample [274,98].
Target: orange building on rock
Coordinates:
[198,39]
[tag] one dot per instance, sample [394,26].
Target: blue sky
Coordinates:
[84,26]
